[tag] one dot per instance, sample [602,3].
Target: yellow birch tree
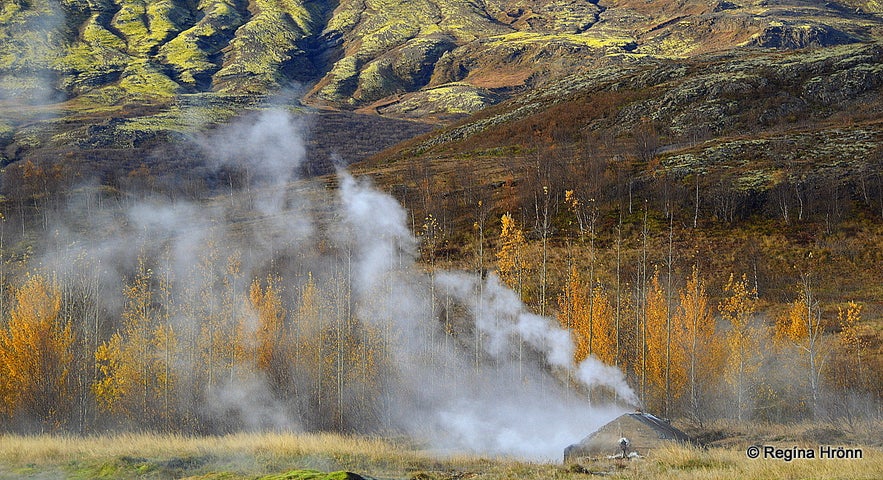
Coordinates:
[36,356]
[849,371]
[742,341]
[271,341]
[700,349]
[510,257]
[603,343]
[802,327]
[135,380]
[655,348]
[853,348]
[573,313]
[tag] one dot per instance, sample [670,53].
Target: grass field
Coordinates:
[282,455]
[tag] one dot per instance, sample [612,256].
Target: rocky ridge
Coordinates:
[383,55]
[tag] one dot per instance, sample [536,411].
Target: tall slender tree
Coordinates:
[802,327]
[700,347]
[743,343]
[133,374]
[36,356]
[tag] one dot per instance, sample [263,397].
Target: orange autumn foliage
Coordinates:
[35,354]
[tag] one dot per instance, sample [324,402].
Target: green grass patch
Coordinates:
[311,475]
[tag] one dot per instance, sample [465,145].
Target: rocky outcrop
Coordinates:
[792,37]
[712,96]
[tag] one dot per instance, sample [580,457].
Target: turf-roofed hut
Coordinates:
[643,432]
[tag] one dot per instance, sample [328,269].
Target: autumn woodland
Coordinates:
[146,325]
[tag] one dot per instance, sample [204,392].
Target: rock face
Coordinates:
[790,37]
[358,53]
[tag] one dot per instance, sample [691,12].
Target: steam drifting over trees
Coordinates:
[284,307]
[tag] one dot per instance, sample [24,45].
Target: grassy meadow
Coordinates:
[296,456]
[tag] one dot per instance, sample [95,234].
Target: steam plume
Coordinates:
[498,386]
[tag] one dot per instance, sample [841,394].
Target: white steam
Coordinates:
[501,386]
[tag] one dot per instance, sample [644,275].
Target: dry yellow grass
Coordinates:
[242,452]
[687,463]
[250,455]
[39,448]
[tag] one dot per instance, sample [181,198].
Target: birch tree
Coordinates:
[802,327]
[36,356]
[742,342]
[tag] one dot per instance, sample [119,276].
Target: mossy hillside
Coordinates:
[29,46]
[404,69]
[468,21]
[548,37]
[131,21]
[184,117]
[843,85]
[460,98]
[706,98]
[734,93]
[147,25]
[457,99]
[573,17]
[101,101]
[341,82]
[345,17]
[563,16]
[368,51]
[874,6]
[96,55]
[260,48]
[345,79]
[191,54]
[310,16]
[237,46]
[415,61]
[28,51]
[166,18]
[9,11]
[129,128]
[759,164]
[397,44]
[266,50]
[388,36]
[377,80]
[185,56]
[414,53]
[143,79]
[684,38]
[589,39]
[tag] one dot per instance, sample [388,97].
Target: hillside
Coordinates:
[81,79]
[360,52]
[748,121]
[773,161]
[455,56]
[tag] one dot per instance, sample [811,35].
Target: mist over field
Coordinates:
[283,306]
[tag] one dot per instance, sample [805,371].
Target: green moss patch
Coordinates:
[313,475]
[145,80]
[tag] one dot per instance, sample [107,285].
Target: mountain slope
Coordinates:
[132,73]
[750,133]
[360,53]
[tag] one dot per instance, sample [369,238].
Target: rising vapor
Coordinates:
[513,392]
